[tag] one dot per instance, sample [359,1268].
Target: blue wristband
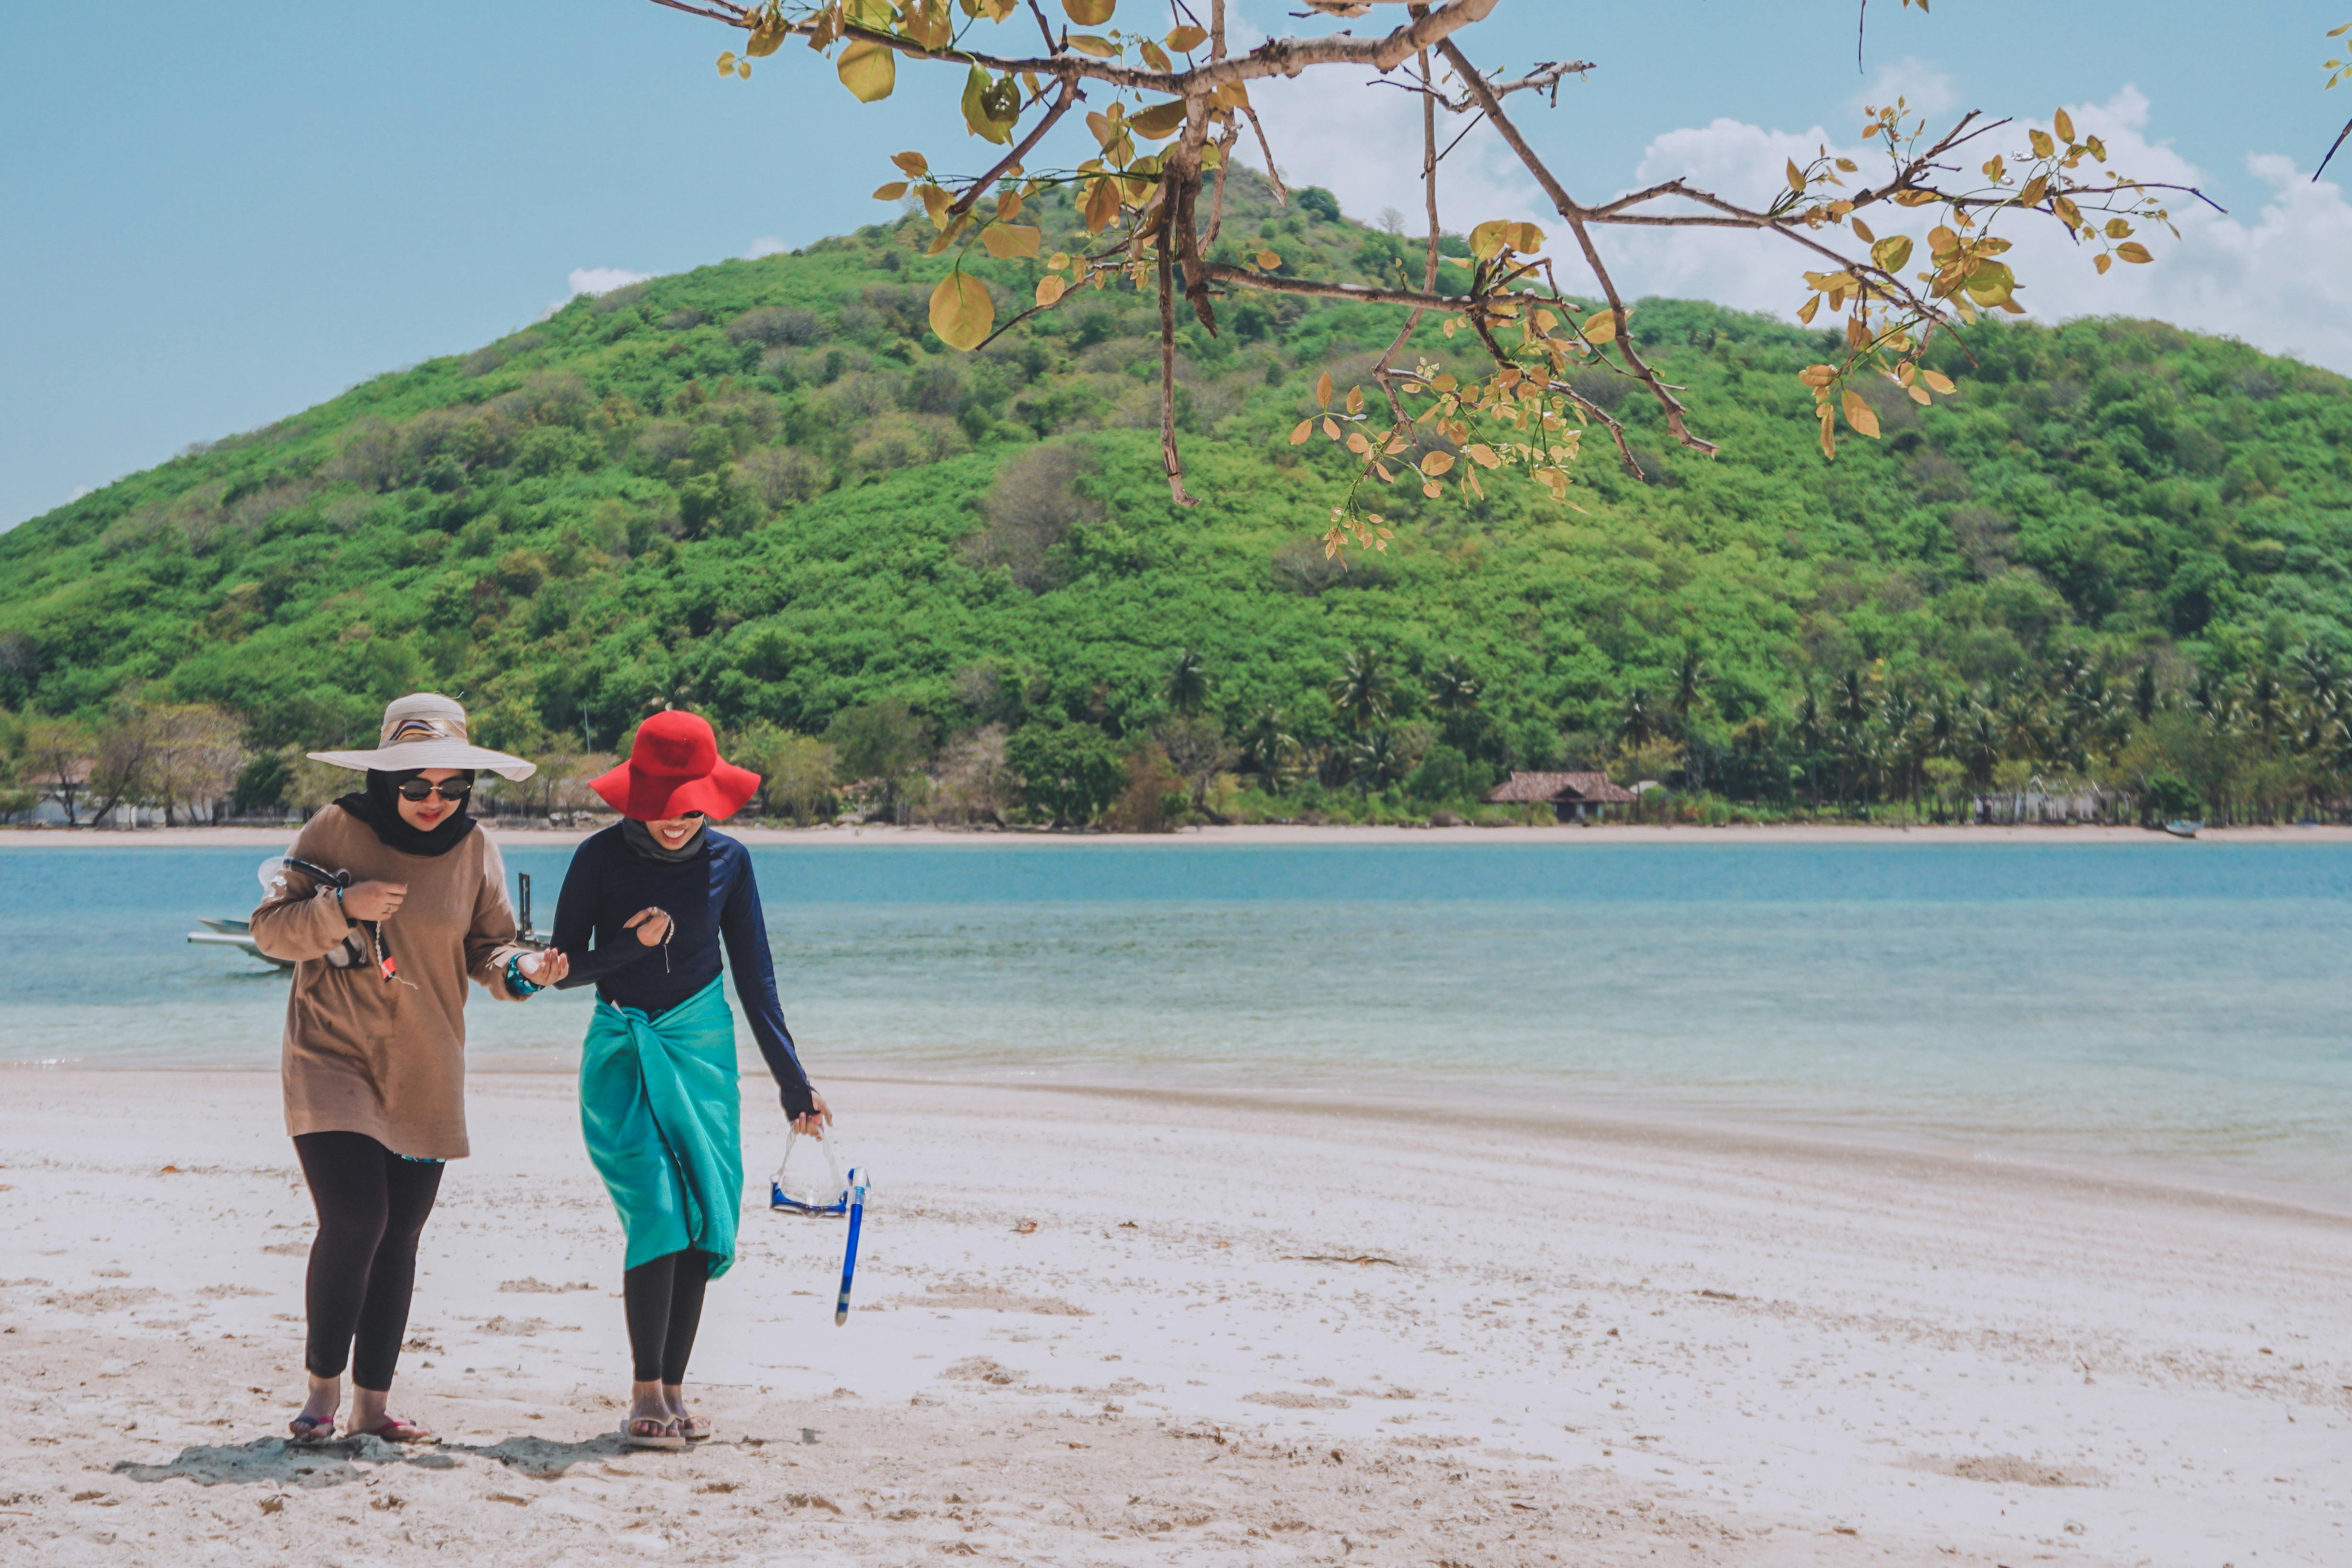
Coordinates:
[515,981]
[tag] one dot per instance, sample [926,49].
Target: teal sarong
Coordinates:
[662,1116]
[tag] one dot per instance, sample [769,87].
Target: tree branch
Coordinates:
[1363,294]
[1169,456]
[1570,209]
[1021,149]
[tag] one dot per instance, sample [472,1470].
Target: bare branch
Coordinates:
[1363,294]
[2338,142]
[1169,456]
[1281,190]
[1545,77]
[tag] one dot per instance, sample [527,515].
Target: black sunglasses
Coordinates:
[451,789]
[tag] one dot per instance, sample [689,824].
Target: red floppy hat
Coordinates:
[674,767]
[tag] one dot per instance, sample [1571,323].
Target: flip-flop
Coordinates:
[694,1428]
[658,1434]
[309,1429]
[396,1430]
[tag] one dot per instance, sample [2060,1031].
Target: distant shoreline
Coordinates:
[515,833]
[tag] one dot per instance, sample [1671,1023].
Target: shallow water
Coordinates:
[2175,1005]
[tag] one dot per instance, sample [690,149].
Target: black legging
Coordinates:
[664,1302]
[372,1207]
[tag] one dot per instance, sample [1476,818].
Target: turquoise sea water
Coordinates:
[2181,1006]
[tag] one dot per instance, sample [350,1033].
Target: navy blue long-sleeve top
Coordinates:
[710,896]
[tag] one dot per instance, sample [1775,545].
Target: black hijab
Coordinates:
[378,806]
[641,838]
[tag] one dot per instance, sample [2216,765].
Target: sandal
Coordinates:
[694,1428]
[651,1432]
[307,1429]
[396,1430]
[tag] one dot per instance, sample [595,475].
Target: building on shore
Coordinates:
[1573,797]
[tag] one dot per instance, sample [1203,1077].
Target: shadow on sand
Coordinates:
[273,1461]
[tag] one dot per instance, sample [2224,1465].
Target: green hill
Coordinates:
[762,489]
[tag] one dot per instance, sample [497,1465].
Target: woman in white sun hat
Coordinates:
[389,902]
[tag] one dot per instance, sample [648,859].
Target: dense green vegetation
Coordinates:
[2121,556]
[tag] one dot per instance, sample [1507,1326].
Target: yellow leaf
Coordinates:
[1796,178]
[1431,491]
[1088,44]
[1355,400]
[914,166]
[1527,239]
[1829,434]
[1187,38]
[1601,327]
[1058,260]
[1008,206]
[1861,232]
[1050,289]
[1160,121]
[1305,428]
[891,192]
[726,64]
[766,39]
[2132,250]
[1858,414]
[1937,379]
[1357,444]
[2042,146]
[1102,205]
[1805,312]
[1918,395]
[1482,454]
[962,310]
[1914,198]
[2065,124]
[1323,391]
[1155,56]
[1005,241]
[1489,238]
[868,71]
[743,70]
[1330,427]
[1991,283]
[1267,261]
[1817,375]
[1090,13]
[1437,464]
[2119,229]
[2101,262]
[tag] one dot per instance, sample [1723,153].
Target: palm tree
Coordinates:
[1635,724]
[1689,671]
[1850,699]
[1809,741]
[2144,698]
[1454,689]
[1364,690]
[1269,749]
[1187,683]
[1981,746]
[1375,760]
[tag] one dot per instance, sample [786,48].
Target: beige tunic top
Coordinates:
[387,1058]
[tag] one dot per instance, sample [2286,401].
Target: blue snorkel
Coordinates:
[849,1255]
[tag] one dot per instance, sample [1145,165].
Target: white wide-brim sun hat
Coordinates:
[427,730]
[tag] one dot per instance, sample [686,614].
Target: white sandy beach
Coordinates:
[525,832]
[1576,1342]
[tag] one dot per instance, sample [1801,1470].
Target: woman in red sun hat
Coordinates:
[659,892]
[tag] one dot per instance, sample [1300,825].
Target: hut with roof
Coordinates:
[1573,797]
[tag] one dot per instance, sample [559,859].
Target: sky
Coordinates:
[212,217]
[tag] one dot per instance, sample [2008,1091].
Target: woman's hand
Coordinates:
[815,1119]
[373,900]
[652,925]
[545,968]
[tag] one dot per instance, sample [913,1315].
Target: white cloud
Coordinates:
[766,244]
[2276,278]
[1923,88]
[1362,142]
[592,280]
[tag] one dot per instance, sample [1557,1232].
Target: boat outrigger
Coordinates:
[239,934]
